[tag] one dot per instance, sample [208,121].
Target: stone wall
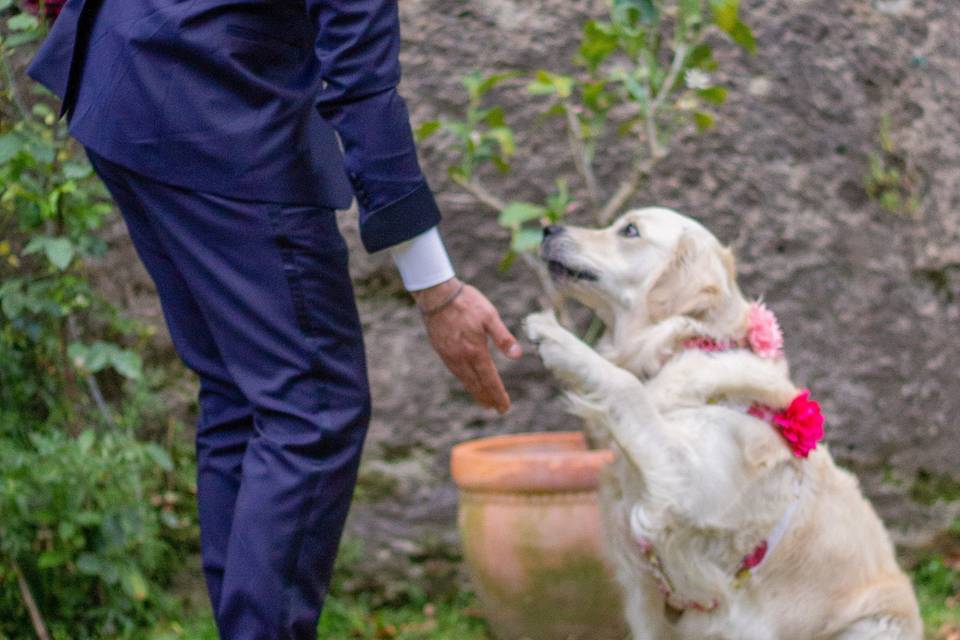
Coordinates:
[869,299]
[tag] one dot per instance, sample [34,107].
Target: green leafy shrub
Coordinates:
[93,517]
[643,74]
[937,581]
[89,521]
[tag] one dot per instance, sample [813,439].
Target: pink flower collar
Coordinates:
[800,423]
[764,336]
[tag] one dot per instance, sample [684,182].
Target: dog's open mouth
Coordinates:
[559,270]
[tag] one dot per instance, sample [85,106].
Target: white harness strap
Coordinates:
[749,563]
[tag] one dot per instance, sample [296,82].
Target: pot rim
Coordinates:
[512,464]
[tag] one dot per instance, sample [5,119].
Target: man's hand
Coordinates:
[459,334]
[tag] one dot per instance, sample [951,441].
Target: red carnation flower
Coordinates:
[51,8]
[801,424]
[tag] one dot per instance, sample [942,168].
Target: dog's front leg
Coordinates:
[573,361]
[616,397]
[696,377]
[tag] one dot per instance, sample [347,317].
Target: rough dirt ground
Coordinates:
[869,299]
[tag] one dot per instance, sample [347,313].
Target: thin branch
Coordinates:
[581,155]
[631,183]
[551,298]
[481,193]
[93,387]
[679,56]
[36,618]
[14,92]
[627,188]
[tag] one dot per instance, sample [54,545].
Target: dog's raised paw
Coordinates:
[540,325]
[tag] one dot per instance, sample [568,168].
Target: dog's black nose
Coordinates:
[551,229]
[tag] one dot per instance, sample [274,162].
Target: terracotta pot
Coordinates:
[530,526]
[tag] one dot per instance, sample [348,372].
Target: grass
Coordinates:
[354,619]
[937,581]
[936,578]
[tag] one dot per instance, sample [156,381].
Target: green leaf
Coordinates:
[477,85]
[50,559]
[596,45]
[5,4]
[427,129]
[23,22]
[494,117]
[493,80]
[90,358]
[507,260]
[135,585]
[504,138]
[595,96]
[88,518]
[10,145]
[85,441]
[77,170]
[59,251]
[632,10]
[21,38]
[517,213]
[547,83]
[502,165]
[159,456]
[127,363]
[725,14]
[704,120]
[635,90]
[716,95]
[89,564]
[701,57]
[743,36]
[526,240]
[690,10]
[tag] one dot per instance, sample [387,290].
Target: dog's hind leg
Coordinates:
[878,628]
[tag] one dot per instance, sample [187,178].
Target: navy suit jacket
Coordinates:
[243,98]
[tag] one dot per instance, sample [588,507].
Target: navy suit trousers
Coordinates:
[258,301]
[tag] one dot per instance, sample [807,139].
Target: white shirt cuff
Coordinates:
[422,260]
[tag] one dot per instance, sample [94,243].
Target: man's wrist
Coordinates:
[431,297]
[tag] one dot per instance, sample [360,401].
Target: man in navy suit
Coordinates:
[214,124]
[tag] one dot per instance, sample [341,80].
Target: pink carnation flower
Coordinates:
[801,424]
[763,331]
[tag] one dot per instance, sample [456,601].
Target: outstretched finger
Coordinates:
[471,381]
[491,382]
[502,337]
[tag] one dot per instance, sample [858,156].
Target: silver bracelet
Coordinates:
[443,305]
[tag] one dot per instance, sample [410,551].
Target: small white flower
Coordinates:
[697,79]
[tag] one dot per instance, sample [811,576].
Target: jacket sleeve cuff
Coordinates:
[400,220]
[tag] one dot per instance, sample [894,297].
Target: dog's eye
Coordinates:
[630,231]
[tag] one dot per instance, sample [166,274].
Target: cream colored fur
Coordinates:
[694,473]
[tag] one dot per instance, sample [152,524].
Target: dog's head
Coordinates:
[649,265]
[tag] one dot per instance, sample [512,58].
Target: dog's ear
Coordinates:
[693,281]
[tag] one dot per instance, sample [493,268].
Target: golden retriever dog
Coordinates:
[725,518]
